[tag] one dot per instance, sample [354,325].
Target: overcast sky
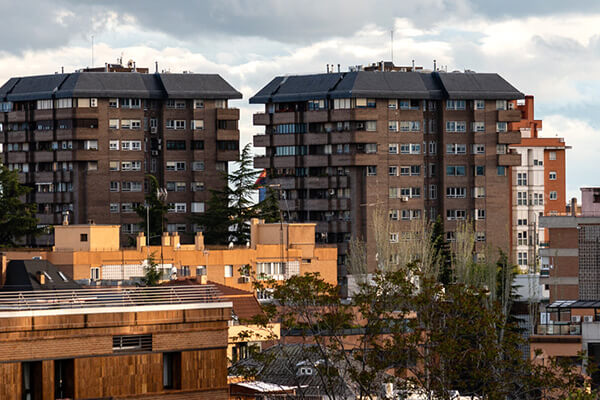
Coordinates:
[547,48]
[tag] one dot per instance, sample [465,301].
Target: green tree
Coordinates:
[157,211]
[216,220]
[269,209]
[17,219]
[151,272]
[441,251]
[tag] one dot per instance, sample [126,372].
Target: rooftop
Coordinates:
[109,300]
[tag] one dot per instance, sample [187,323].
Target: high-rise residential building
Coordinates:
[340,146]
[85,142]
[538,185]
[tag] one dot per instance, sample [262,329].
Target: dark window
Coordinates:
[32,380]
[83,237]
[197,144]
[86,123]
[171,370]
[228,145]
[64,378]
[132,343]
[175,144]
[227,124]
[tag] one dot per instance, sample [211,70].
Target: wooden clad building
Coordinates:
[167,343]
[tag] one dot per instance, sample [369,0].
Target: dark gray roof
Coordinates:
[21,275]
[118,84]
[407,85]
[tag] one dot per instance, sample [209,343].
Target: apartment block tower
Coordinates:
[341,146]
[539,185]
[85,142]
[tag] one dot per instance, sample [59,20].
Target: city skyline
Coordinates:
[249,45]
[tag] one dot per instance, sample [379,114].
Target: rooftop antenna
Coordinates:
[434,65]
[92,51]
[327,68]
[392,44]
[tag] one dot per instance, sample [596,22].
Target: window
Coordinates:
[478,149]
[393,192]
[175,144]
[456,214]
[178,104]
[177,207]
[501,149]
[341,104]
[552,175]
[553,195]
[176,124]
[131,165]
[478,192]
[455,170]
[131,186]
[314,105]
[220,103]
[478,127]
[410,126]
[371,126]
[197,186]
[479,213]
[114,186]
[198,103]
[371,170]
[198,166]
[479,170]
[393,170]
[432,147]
[131,145]
[393,126]
[501,171]
[552,155]
[522,258]
[522,178]
[394,215]
[480,236]
[113,165]
[197,207]
[228,271]
[500,104]
[456,148]
[130,103]
[433,192]
[221,166]
[114,207]
[113,103]
[64,103]
[175,166]
[392,104]
[394,237]
[113,123]
[83,237]
[479,104]
[501,126]
[456,126]
[455,104]
[198,124]
[44,104]
[172,370]
[456,192]
[393,148]
[113,145]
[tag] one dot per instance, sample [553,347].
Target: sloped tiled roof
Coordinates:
[118,84]
[377,84]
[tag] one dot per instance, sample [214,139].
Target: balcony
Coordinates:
[314,138]
[341,115]
[86,155]
[262,140]
[509,115]
[43,156]
[511,159]
[16,157]
[365,159]
[284,118]
[228,134]
[560,328]
[316,116]
[68,113]
[283,140]
[64,134]
[16,136]
[513,137]
[40,115]
[316,161]
[228,113]
[17,116]
[228,155]
[262,162]
[261,119]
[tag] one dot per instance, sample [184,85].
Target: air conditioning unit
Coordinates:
[154,152]
[588,318]
[153,129]
[404,198]
[576,318]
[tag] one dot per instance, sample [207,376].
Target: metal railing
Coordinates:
[108,297]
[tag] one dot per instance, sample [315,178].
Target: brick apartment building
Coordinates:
[570,257]
[538,185]
[85,141]
[339,146]
[151,343]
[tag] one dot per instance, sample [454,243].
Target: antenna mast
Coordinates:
[392,44]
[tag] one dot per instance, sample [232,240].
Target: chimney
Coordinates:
[434,65]
[339,70]
[105,67]
[166,239]
[327,68]
[413,65]
[199,241]
[65,220]
[41,278]
[175,240]
[156,65]
[202,279]
[574,206]
[62,70]
[140,241]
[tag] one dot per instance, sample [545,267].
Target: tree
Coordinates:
[157,211]
[441,251]
[228,212]
[17,219]
[151,272]
[269,209]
